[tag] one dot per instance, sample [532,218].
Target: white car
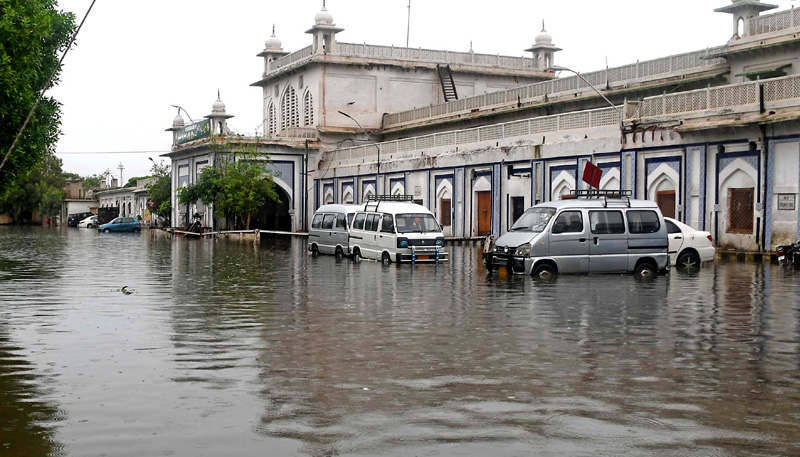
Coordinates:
[688,247]
[89,222]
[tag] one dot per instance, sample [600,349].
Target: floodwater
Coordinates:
[130,345]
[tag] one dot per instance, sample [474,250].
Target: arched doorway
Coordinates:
[274,215]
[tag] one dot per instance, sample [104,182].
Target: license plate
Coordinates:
[780,259]
[423,257]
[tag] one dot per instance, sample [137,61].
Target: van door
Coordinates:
[340,234]
[326,245]
[387,239]
[568,242]
[371,248]
[608,245]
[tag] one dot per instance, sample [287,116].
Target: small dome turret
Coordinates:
[177,122]
[219,106]
[273,42]
[543,37]
[323,17]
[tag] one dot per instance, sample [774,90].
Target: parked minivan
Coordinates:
[598,232]
[330,229]
[393,229]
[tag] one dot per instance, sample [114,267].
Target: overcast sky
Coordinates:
[135,58]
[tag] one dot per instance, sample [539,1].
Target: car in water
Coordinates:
[591,232]
[89,222]
[75,218]
[688,247]
[121,224]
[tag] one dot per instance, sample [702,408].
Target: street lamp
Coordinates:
[560,68]
[187,114]
[365,133]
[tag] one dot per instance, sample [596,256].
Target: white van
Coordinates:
[602,232]
[330,233]
[393,229]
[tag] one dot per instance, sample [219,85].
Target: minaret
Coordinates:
[543,51]
[219,118]
[743,11]
[272,51]
[177,124]
[324,32]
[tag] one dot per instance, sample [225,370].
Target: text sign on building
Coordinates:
[196,131]
[786,202]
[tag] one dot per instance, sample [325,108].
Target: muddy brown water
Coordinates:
[130,345]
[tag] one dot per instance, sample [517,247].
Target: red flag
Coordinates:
[591,175]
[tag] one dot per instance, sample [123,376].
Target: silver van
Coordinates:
[596,232]
[330,230]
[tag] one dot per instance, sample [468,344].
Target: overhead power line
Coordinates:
[110,152]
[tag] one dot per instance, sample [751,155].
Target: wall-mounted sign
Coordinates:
[786,202]
[196,131]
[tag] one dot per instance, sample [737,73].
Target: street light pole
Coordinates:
[186,112]
[368,137]
[560,68]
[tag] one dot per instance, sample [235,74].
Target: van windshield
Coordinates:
[408,223]
[533,220]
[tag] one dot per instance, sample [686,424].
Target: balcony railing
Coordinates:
[534,126]
[681,63]
[306,133]
[738,95]
[774,22]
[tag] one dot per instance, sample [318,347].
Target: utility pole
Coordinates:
[120,167]
[408,26]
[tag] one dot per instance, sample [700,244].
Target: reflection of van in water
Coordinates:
[392,229]
[330,232]
[605,233]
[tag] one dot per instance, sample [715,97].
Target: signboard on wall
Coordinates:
[196,131]
[786,202]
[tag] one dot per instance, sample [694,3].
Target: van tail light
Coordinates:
[710,238]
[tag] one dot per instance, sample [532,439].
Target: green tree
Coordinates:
[159,191]
[32,35]
[135,180]
[238,187]
[92,182]
[39,189]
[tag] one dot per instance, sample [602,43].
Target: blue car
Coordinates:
[121,224]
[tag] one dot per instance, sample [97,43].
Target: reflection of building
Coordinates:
[477,138]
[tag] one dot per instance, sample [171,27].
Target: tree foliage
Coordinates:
[159,191]
[33,34]
[237,187]
[39,189]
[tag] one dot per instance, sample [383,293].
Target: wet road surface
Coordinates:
[129,345]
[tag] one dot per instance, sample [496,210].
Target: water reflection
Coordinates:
[229,344]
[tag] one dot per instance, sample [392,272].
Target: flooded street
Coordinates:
[128,345]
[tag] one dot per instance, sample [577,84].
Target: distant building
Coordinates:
[711,135]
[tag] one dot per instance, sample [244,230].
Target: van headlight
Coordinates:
[523,251]
[402,242]
[439,241]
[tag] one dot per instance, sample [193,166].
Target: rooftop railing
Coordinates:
[681,63]
[538,125]
[774,22]
[737,95]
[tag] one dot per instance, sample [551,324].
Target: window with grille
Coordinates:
[740,211]
[308,110]
[666,202]
[290,115]
[445,211]
[272,119]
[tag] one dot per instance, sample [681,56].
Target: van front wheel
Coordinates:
[386,258]
[544,272]
[357,256]
[339,253]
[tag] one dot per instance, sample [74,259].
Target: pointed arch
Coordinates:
[290,113]
[308,109]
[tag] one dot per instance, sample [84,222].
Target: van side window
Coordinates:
[327,222]
[359,221]
[387,225]
[643,221]
[372,222]
[569,222]
[350,219]
[340,221]
[606,222]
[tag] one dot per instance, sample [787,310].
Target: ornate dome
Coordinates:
[219,106]
[177,123]
[323,17]
[273,42]
[543,37]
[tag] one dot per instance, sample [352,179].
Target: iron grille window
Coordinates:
[273,120]
[308,110]
[445,208]
[666,202]
[740,211]
[290,116]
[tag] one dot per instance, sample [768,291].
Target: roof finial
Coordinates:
[323,5]
[273,29]
[218,97]
[470,46]
[543,30]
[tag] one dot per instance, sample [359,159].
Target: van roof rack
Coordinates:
[377,199]
[605,195]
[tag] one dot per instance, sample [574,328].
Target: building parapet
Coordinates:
[680,64]
[406,54]
[774,22]
[534,126]
[776,93]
